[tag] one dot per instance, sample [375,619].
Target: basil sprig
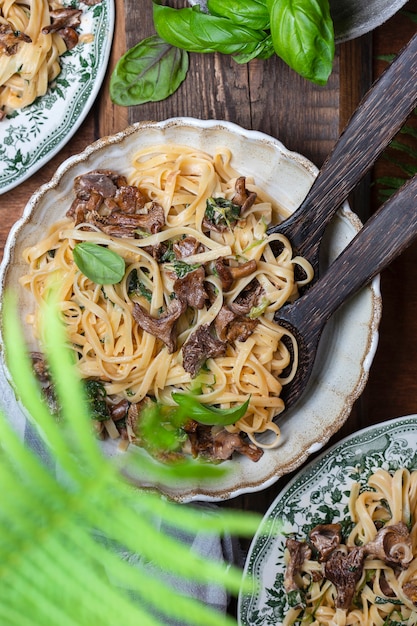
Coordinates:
[303,36]
[251,13]
[301,32]
[150,71]
[191,408]
[196,31]
[98,263]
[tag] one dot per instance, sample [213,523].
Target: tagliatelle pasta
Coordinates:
[31,47]
[102,320]
[383,541]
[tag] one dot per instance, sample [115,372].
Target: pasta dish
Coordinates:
[33,36]
[192,310]
[362,571]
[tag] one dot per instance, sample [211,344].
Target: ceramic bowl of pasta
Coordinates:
[168,284]
[338,545]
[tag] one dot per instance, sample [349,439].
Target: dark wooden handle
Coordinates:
[384,236]
[379,116]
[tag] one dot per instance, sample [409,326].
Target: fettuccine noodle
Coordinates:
[31,61]
[386,592]
[135,364]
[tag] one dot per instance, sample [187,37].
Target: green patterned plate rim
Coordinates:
[320,490]
[32,136]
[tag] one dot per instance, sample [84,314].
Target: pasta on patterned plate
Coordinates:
[33,36]
[362,571]
[189,320]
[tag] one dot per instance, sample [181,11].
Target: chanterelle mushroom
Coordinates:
[344,571]
[10,38]
[200,346]
[243,198]
[228,273]
[392,544]
[162,327]
[299,551]
[325,538]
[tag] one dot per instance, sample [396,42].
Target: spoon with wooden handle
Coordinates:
[378,118]
[383,237]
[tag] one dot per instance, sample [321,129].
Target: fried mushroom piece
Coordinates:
[392,544]
[247,299]
[243,198]
[298,552]
[64,21]
[188,246]
[190,289]
[200,346]
[218,444]
[105,200]
[228,274]
[410,590]
[164,327]
[10,39]
[122,224]
[344,571]
[232,327]
[325,538]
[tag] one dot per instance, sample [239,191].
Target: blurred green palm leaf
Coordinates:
[75,536]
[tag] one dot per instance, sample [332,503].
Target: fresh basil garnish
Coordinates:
[137,286]
[98,263]
[181,268]
[251,13]
[222,212]
[303,36]
[193,30]
[150,71]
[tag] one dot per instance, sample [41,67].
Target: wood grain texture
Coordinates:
[392,385]
[370,129]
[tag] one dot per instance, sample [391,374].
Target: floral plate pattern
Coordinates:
[318,493]
[30,137]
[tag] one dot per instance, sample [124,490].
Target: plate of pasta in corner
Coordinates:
[43,103]
[338,544]
[170,283]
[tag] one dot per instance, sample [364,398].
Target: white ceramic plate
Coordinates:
[33,135]
[349,340]
[320,489]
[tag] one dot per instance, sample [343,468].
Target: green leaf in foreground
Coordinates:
[150,71]
[191,408]
[303,36]
[77,542]
[98,263]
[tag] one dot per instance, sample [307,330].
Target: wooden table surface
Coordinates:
[268,96]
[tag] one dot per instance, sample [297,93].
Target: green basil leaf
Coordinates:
[98,263]
[149,72]
[303,36]
[263,50]
[196,31]
[251,13]
[191,408]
